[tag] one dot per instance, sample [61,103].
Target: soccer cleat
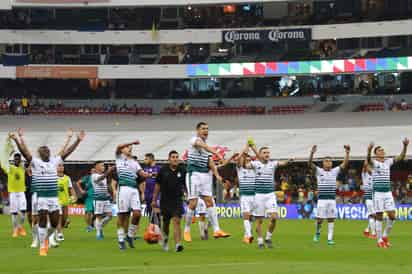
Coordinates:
[261,246]
[35,243]
[373,236]
[381,244]
[99,236]
[316,238]
[43,251]
[53,244]
[386,241]
[366,233]
[247,240]
[89,228]
[187,237]
[220,234]
[122,245]
[269,243]
[179,248]
[130,242]
[22,232]
[331,242]
[60,237]
[15,233]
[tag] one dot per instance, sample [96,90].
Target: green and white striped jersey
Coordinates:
[101,190]
[367,185]
[327,182]
[381,175]
[197,158]
[265,176]
[247,181]
[44,176]
[127,170]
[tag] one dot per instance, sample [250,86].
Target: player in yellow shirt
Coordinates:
[16,186]
[65,189]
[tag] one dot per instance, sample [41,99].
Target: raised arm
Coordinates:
[402,156]
[369,154]
[21,145]
[241,159]
[345,162]
[285,163]
[121,146]
[73,147]
[66,142]
[255,151]
[227,161]
[311,165]
[200,144]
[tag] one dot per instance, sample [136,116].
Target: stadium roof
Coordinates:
[284,143]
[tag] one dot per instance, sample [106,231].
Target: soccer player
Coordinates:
[66,193]
[199,182]
[247,178]
[127,194]
[16,186]
[86,189]
[102,205]
[44,178]
[152,169]
[265,198]
[326,180]
[382,196]
[170,184]
[370,231]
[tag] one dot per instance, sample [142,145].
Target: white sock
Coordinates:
[260,240]
[331,226]
[202,228]
[268,236]
[248,228]
[14,221]
[22,216]
[35,232]
[51,237]
[213,218]
[120,234]
[99,226]
[189,215]
[42,236]
[372,225]
[379,229]
[51,232]
[106,220]
[388,228]
[132,231]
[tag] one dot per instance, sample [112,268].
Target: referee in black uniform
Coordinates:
[170,184]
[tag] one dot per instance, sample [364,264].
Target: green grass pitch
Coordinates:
[294,252]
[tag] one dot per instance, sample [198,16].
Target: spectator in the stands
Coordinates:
[25,105]
[404,105]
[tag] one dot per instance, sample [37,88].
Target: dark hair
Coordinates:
[173,152]
[98,162]
[376,148]
[134,158]
[200,124]
[262,148]
[17,155]
[150,155]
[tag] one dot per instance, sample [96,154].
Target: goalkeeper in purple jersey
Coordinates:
[152,169]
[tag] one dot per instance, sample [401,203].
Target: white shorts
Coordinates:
[17,202]
[199,184]
[383,201]
[128,199]
[102,207]
[369,207]
[34,204]
[51,204]
[247,204]
[326,209]
[265,204]
[201,206]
